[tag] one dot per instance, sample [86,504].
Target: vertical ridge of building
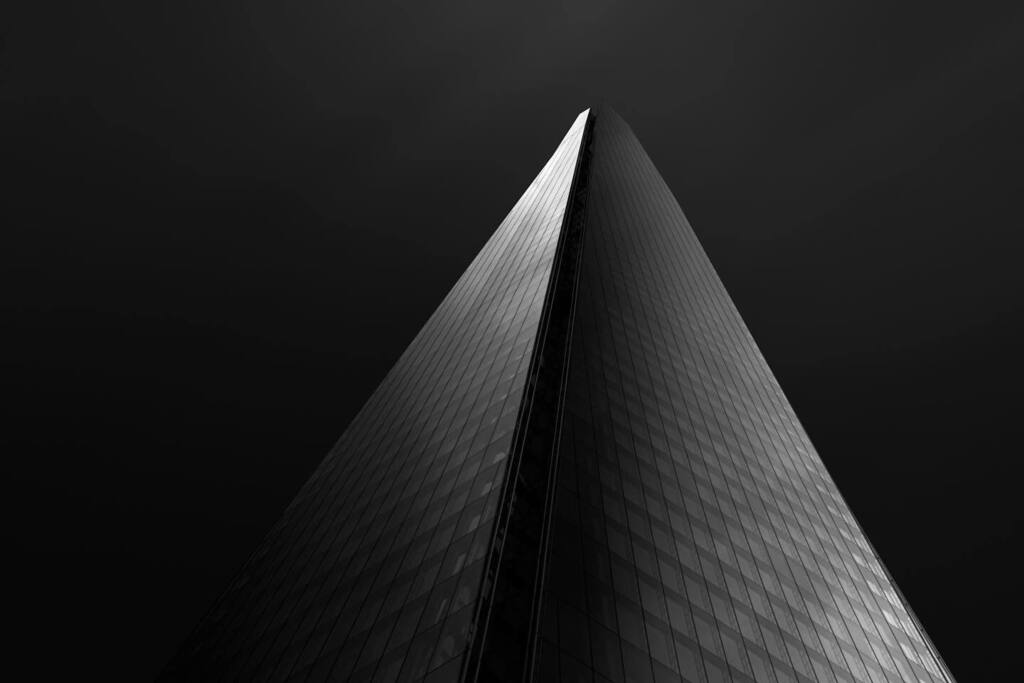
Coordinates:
[503,645]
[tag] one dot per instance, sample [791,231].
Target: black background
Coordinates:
[223,221]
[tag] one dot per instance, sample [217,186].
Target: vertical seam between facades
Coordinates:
[492,586]
[579,225]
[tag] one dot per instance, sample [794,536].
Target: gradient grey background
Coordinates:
[222,222]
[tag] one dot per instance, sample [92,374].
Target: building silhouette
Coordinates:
[581,469]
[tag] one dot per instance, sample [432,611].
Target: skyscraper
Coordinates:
[581,469]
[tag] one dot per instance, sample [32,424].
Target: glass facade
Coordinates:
[374,571]
[581,469]
[695,533]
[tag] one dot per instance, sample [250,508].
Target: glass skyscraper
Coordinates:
[581,469]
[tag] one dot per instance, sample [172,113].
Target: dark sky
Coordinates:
[223,221]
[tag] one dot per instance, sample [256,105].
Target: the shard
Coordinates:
[581,469]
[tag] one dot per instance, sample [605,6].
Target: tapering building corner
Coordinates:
[581,469]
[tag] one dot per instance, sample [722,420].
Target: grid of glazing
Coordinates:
[696,533]
[375,568]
